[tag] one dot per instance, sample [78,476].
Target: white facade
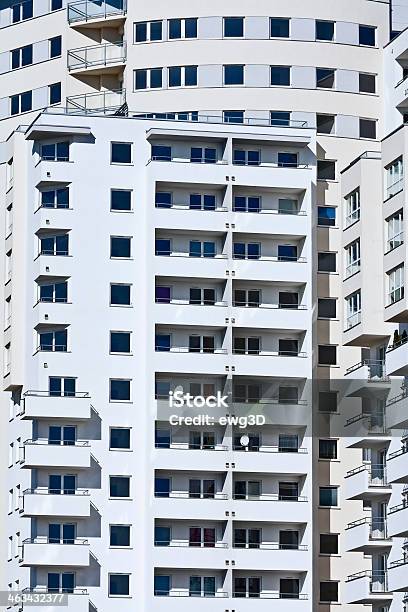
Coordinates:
[329,99]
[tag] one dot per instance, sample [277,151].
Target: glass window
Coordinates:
[325,78]
[327,449]
[163,199]
[329,591]
[366,83]
[353,309]
[326,262]
[287,160]
[367,35]
[162,536]
[163,246]
[353,260]
[396,289]
[119,584]
[156,78]
[121,153]
[120,295]
[394,178]
[327,401]
[141,31]
[324,30]
[329,544]
[326,308]
[233,74]
[325,124]
[119,438]
[119,486]
[119,536]
[120,246]
[55,93]
[55,198]
[120,342]
[368,129]
[56,5]
[279,27]
[328,496]
[174,28]
[232,116]
[280,118]
[161,586]
[156,30]
[246,158]
[233,27]
[119,390]
[326,170]
[161,153]
[190,27]
[203,155]
[352,207]
[55,46]
[326,216]
[141,79]
[280,75]
[121,199]
[327,354]
[395,231]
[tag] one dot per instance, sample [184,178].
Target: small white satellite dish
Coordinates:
[244,440]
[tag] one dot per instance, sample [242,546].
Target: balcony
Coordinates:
[42,453]
[272,459]
[39,551]
[366,376]
[366,482]
[397,520]
[261,315]
[282,364]
[169,458]
[396,359]
[78,601]
[102,102]
[176,310]
[94,13]
[367,536]
[397,466]
[197,555]
[269,507]
[97,59]
[398,575]
[180,264]
[42,405]
[366,429]
[42,503]
[53,265]
[396,411]
[272,269]
[367,587]
[181,359]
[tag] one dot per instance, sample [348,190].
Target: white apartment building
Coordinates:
[283,109]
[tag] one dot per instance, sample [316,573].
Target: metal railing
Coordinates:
[179,302]
[398,508]
[188,593]
[102,102]
[377,474]
[270,497]
[376,369]
[188,495]
[378,580]
[378,527]
[189,446]
[187,349]
[353,268]
[163,253]
[256,401]
[260,353]
[395,241]
[395,187]
[47,491]
[353,320]
[62,541]
[265,595]
[106,54]
[47,442]
[85,10]
[34,393]
[352,217]
[190,544]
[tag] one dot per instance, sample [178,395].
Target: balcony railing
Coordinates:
[101,102]
[61,542]
[398,508]
[352,217]
[96,55]
[353,320]
[188,495]
[270,546]
[270,497]
[266,595]
[240,304]
[394,242]
[395,187]
[85,10]
[46,442]
[402,451]
[377,475]
[187,349]
[374,423]
[378,580]
[378,527]
[187,593]
[189,446]
[352,268]
[179,302]
[62,491]
[190,544]
[376,369]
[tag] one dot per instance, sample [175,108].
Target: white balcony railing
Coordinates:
[353,320]
[85,10]
[101,102]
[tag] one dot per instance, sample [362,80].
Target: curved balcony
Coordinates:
[398,575]
[397,520]
[109,58]
[366,482]
[396,411]
[367,376]
[366,430]
[94,13]
[109,102]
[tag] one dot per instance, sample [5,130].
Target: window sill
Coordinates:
[121,305]
[114,210]
[118,401]
[123,450]
[121,548]
[127,164]
[121,498]
[123,354]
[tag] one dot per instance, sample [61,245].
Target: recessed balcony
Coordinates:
[41,503]
[42,405]
[366,376]
[41,552]
[397,465]
[367,535]
[107,102]
[42,453]
[367,587]
[366,430]
[396,411]
[366,482]
[397,520]
[109,58]
[96,13]
[398,575]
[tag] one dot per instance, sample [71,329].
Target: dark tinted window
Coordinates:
[233,27]
[279,28]
[367,35]
[119,438]
[324,30]
[120,295]
[329,544]
[326,308]
[327,354]
[121,152]
[119,389]
[368,128]
[280,75]
[120,199]
[326,262]
[326,170]
[366,83]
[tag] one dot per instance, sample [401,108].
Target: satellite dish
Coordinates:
[244,440]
